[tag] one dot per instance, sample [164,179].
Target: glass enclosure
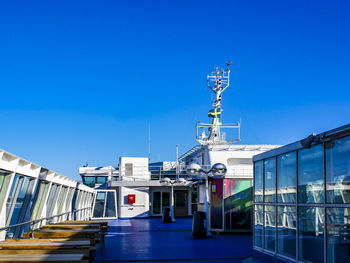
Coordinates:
[105,204]
[310,175]
[286,230]
[338,171]
[25,198]
[286,179]
[294,216]
[270,180]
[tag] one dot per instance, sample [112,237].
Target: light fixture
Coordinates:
[219,169]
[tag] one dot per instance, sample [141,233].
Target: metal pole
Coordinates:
[177,162]
[207,204]
[172,203]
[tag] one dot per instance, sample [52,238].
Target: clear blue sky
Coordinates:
[81,80]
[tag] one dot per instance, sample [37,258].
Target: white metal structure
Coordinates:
[31,196]
[218,82]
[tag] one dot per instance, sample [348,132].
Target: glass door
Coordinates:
[180,204]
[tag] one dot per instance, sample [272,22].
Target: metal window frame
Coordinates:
[324,206]
[105,204]
[18,186]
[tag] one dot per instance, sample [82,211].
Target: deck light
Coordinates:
[168,182]
[194,169]
[218,169]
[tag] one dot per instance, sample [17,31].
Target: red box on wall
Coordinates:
[131,199]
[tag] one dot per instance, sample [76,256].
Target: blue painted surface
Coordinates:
[152,241]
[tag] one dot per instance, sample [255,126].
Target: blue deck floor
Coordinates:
[149,240]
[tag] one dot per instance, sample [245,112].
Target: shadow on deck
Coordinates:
[149,240]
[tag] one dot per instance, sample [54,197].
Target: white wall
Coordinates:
[141,206]
[139,168]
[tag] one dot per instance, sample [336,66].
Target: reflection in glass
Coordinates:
[286,230]
[40,200]
[61,199]
[338,171]
[19,201]
[258,181]
[338,235]
[310,175]
[101,179]
[11,194]
[311,234]
[3,173]
[74,199]
[89,181]
[287,178]
[270,227]
[99,204]
[258,225]
[110,205]
[52,199]
[238,204]
[270,180]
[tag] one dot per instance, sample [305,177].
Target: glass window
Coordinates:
[238,204]
[99,204]
[310,175]
[338,235]
[270,180]
[258,225]
[156,203]
[286,230]
[258,181]
[101,179]
[5,178]
[40,201]
[19,201]
[287,178]
[69,199]
[89,181]
[311,222]
[74,200]
[11,194]
[77,200]
[270,227]
[110,205]
[61,200]
[338,171]
[51,201]
[33,199]
[3,173]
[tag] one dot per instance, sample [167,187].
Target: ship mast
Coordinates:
[218,81]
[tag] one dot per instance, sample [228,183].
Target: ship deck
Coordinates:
[150,240]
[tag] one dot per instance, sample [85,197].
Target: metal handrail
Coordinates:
[41,219]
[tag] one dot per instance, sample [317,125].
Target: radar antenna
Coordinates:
[218,81]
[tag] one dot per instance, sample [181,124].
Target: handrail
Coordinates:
[41,219]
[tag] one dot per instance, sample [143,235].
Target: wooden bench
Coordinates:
[69,226]
[103,224]
[92,233]
[30,247]
[54,258]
